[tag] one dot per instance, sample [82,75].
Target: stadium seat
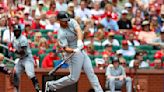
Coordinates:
[118,37]
[98,47]
[115,48]
[35,51]
[48,50]
[41,57]
[144,47]
[93,63]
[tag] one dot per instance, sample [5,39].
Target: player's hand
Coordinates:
[80,44]
[10,47]
[76,50]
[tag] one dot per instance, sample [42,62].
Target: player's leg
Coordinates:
[88,69]
[18,69]
[75,70]
[29,69]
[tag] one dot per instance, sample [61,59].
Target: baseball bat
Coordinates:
[56,68]
[4,46]
[12,61]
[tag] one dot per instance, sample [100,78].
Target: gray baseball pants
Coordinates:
[78,62]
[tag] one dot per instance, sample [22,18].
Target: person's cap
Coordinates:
[63,16]
[108,45]
[37,17]
[114,59]
[124,12]
[144,23]
[71,4]
[124,42]
[128,5]
[40,2]
[105,54]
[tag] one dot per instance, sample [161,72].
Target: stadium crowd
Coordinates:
[132,30]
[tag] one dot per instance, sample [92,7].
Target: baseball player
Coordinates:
[20,46]
[70,39]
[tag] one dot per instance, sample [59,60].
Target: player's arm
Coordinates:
[22,50]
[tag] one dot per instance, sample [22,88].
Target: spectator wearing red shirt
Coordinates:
[36,23]
[52,10]
[48,60]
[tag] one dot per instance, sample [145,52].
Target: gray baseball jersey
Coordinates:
[80,60]
[67,37]
[18,43]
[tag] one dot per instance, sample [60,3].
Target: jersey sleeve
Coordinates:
[23,42]
[74,24]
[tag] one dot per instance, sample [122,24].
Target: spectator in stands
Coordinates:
[39,10]
[124,23]
[89,38]
[27,31]
[154,25]
[91,51]
[61,5]
[43,45]
[96,11]
[159,41]
[158,64]
[111,40]
[36,23]
[146,35]
[108,50]
[116,77]
[82,11]
[139,58]
[128,6]
[126,50]
[52,25]
[109,8]
[51,39]
[43,20]
[98,38]
[103,62]
[37,38]
[70,10]
[123,62]
[27,6]
[132,40]
[48,61]
[27,18]
[103,3]
[8,35]
[52,9]
[109,23]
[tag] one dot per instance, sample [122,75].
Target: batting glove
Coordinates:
[76,50]
[80,44]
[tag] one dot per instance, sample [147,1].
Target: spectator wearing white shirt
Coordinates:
[126,50]
[61,5]
[82,11]
[139,58]
[52,24]
[8,36]
[39,9]
[96,11]
[111,40]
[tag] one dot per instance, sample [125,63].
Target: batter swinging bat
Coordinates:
[56,68]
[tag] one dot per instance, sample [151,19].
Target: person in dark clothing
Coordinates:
[124,23]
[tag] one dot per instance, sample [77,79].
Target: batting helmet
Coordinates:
[63,16]
[17,30]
